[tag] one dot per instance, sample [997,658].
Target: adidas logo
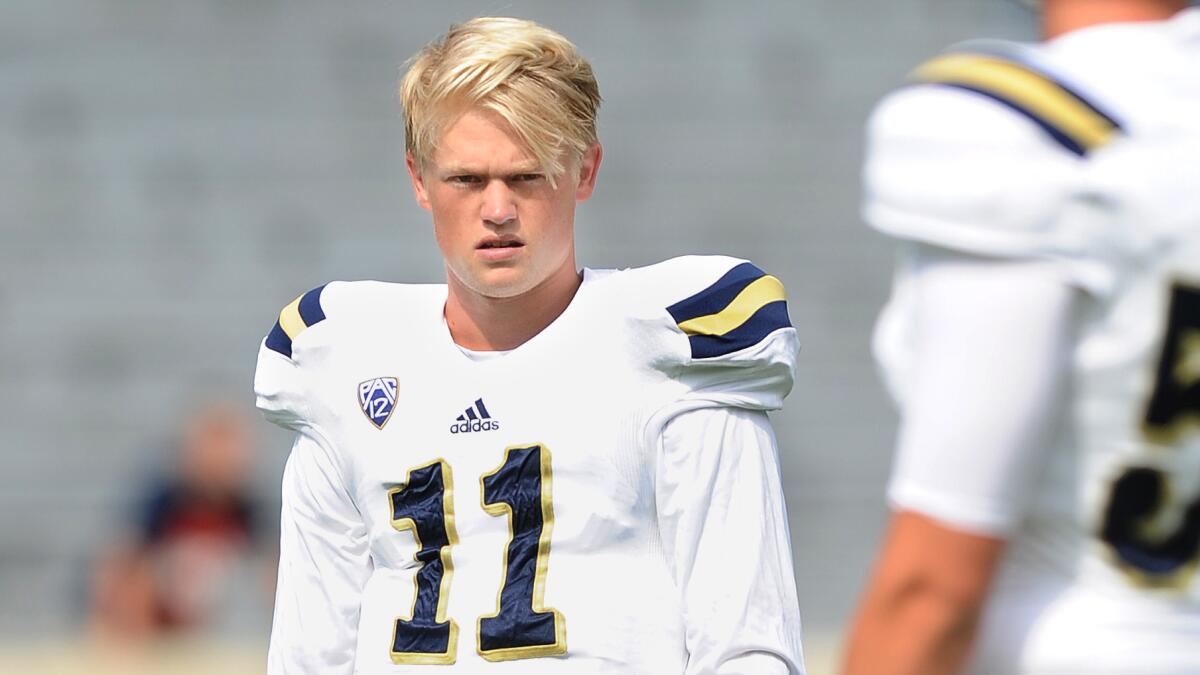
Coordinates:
[474,418]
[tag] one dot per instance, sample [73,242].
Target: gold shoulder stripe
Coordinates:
[762,291]
[289,319]
[1041,97]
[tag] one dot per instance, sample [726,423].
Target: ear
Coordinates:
[589,166]
[418,181]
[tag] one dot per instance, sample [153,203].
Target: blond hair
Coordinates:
[528,74]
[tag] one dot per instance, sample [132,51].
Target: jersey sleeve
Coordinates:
[983,389]
[324,560]
[279,379]
[725,534]
[988,155]
[324,564]
[730,340]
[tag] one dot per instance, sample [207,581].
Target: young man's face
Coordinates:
[502,228]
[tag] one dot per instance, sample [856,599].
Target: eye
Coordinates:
[526,177]
[463,179]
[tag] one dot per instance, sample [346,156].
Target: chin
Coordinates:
[502,283]
[500,291]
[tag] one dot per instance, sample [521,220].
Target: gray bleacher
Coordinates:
[173,172]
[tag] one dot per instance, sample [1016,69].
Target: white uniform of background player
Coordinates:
[1043,335]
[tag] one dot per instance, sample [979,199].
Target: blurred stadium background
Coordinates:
[176,171]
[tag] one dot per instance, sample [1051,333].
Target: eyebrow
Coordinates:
[467,170]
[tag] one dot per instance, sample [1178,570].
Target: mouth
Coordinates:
[499,250]
[499,243]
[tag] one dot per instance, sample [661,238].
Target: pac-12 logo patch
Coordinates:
[377,398]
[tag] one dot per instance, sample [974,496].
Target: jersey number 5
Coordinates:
[1140,494]
[519,490]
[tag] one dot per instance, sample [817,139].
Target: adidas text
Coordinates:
[467,426]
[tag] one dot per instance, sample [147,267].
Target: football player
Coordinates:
[570,471]
[1043,342]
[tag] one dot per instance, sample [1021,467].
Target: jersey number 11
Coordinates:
[521,628]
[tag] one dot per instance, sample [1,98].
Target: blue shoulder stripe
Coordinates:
[310,307]
[739,310]
[278,340]
[301,313]
[714,298]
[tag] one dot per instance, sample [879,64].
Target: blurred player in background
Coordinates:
[194,525]
[1043,340]
[529,463]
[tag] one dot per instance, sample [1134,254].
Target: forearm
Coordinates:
[911,627]
[922,607]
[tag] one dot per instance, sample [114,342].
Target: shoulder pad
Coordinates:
[726,320]
[302,313]
[734,312]
[1007,75]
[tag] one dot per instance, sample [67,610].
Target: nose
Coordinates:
[499,203]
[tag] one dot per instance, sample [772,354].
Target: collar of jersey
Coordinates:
[546,334]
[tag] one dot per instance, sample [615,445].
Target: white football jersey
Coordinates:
[1085,152]
[604,498]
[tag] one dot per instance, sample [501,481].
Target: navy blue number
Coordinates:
[424,506]
[1174,406]
[1140,494]
[522,627]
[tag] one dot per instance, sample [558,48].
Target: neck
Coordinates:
[1064,16]
[483,323]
